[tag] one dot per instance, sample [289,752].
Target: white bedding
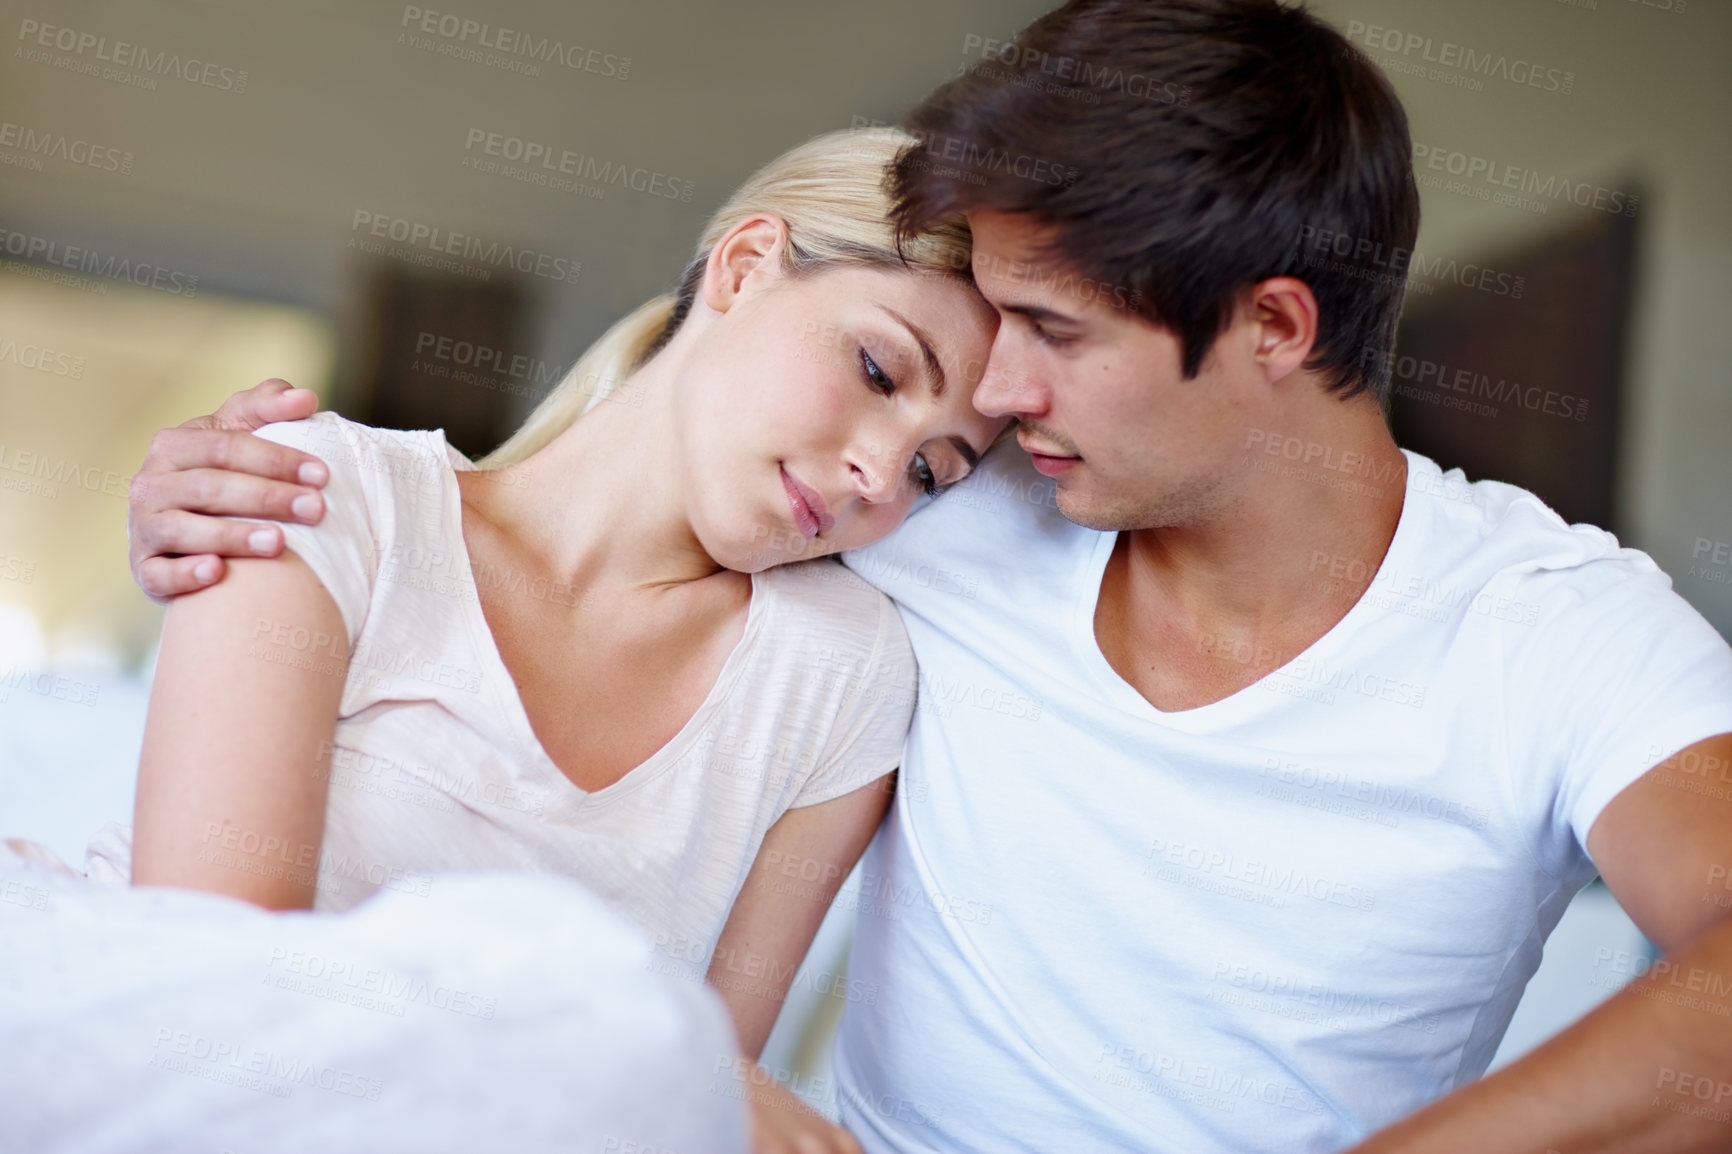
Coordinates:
[499,1012]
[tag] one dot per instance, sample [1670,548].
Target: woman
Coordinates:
[608,651]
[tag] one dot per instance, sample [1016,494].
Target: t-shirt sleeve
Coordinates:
[955,516]
[872,562]
[872,723]
[340,549]
[1615,675]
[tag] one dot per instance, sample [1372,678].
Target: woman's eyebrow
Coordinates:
[964,450]
[934,370]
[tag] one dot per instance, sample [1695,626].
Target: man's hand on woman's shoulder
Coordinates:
[214,467]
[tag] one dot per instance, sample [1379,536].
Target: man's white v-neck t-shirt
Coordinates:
[434,765]
[1275,922]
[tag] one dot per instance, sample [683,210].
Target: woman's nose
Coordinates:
[874,471]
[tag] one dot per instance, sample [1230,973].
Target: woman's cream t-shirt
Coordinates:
[434,766]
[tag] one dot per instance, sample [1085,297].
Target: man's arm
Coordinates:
[805,857]
[212,467]
[1650,1071]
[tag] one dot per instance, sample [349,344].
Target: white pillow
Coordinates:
[498,1012]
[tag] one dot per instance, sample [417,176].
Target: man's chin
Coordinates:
[1087,509]
[1115,512]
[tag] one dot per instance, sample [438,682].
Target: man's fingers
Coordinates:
[165,577]
[184,448]
[171,531]
[214,465]
[223,493]
[267,401]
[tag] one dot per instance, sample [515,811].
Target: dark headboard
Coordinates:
[1523,389]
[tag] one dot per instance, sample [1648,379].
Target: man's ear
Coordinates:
[748,256]
[1285,313]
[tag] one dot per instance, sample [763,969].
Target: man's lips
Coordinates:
[1050,464]
[1036,451]
[810,512]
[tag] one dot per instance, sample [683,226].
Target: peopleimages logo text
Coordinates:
[136,56]
[563,161]
[1470,61]
[87,260]
[467,246]
[512,42]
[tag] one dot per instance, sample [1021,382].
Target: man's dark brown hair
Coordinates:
[1184,150]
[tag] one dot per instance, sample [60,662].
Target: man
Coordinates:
[1255,758]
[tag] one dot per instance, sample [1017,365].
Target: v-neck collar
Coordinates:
[498,682]
[1235,706]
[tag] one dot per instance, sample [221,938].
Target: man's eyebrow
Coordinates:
[934,370]
[1038,313]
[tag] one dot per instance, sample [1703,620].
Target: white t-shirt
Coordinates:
[434,764]
[1275,922]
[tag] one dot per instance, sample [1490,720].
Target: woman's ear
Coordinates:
[747,256]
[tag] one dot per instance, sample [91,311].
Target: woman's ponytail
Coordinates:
[606,363]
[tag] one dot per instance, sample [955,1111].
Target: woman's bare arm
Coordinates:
[805,858]
[234,774]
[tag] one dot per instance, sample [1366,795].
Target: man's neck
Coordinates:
[1191,614]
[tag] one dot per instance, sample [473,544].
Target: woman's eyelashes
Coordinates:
[920,473]
[875,376]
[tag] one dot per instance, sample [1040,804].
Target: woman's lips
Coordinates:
[810,512]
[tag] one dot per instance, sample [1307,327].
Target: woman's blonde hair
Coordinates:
[831,193]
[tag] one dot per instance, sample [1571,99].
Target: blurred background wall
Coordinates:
[426,213]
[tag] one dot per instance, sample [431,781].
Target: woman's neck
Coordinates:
[603,504]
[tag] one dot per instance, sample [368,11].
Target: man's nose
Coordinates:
[1008,387]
